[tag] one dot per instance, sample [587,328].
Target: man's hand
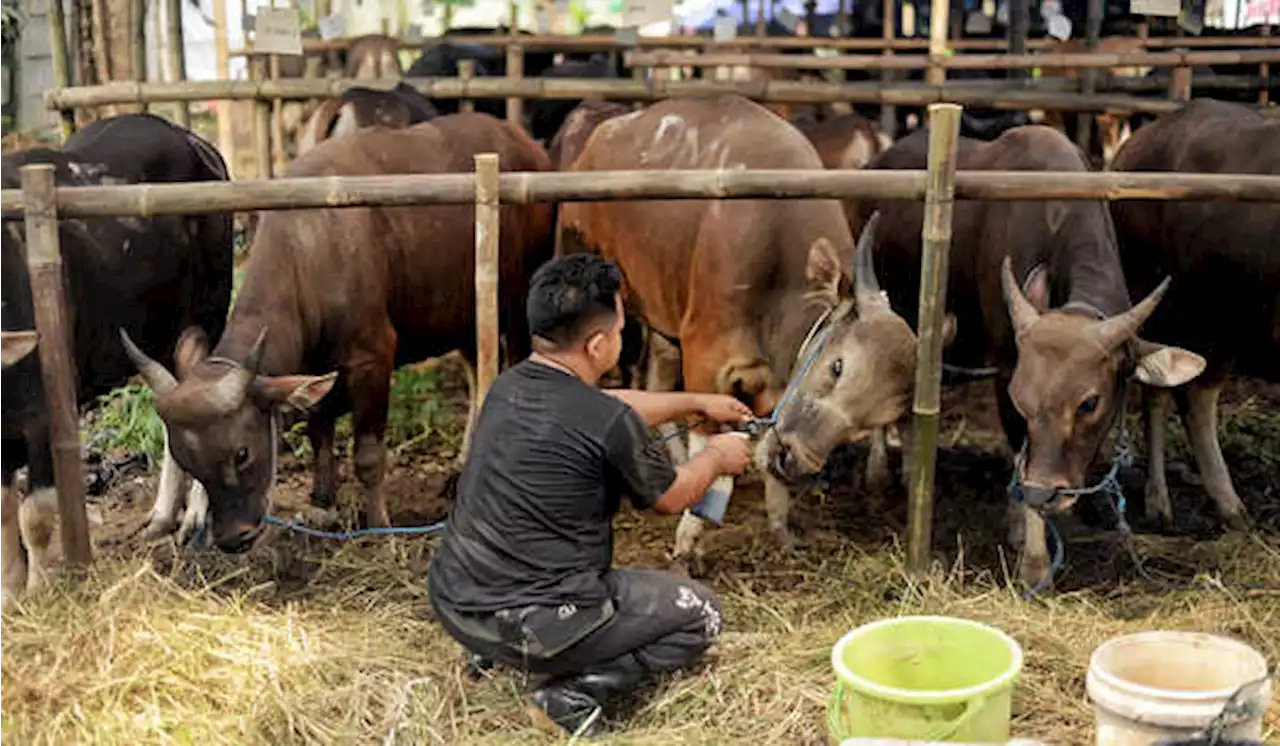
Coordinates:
[732,452]
[723,408]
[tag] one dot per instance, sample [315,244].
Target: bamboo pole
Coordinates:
[603,186]
[226,130]
[1089,76]
[138,43]
[1084,61]
[277,121]
[936,72]
[261,123]
[651,89]
[888,114]
[57,360]
[486,272]
[1180,84]
[178,55]
[102,52]
[61,65]
[944,134]
[466,73]
[515,71]
[1264,72]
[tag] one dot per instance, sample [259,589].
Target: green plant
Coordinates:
[124,422]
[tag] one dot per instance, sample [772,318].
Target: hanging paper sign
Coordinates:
[788,20]
[333,26]
[644,12]
[1060,28]
[541,21]
[247,22]
[1050,8]
[1192,23]
[1166,8]
[627,37]
[977,23]
[989,8]
[726,29]
[278,31]
[908,19]
[1002,14]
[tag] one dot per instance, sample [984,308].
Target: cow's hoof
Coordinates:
[687,567]
[158,527]
[325,499]
[1158,511]
[1236,522]
[377,518]
[785,540]
[193,531]
[1035,574]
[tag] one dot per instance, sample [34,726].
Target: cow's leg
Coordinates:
[13,558]
[777,506]
[664,375]
[324,469]
[369,383]
[691,526]
[196,517]
[877,479]
[1158,508]
[1199,405]
[38,517]
[1035,549]
[174,483]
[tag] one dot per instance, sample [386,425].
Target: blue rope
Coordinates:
[356,534]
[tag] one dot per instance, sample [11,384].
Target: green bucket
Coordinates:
[925,678]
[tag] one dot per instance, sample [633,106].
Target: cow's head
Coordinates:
[855,373]
[221,417]
[1070,379]
[17,345]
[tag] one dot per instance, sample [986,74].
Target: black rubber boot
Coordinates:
[478,666]
[614,684]
[576,713]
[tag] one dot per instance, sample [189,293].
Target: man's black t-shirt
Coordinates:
[532,525]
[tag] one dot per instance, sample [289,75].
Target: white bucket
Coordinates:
[1157,686]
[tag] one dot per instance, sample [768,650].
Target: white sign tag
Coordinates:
[414,33]
[1060,28]
[1167,8]
[977,23]
[726,29]
[989,8]
[541,21]
[247,22]
[788,20]
[333,26]
[278,31]
[627,37]
[645,12]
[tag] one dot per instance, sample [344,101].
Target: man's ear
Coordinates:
[296,392]
[1159,365]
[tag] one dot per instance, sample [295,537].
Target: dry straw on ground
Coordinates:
[337,647]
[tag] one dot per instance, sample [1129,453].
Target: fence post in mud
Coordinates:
[486,273]
[57,363]
[944,132]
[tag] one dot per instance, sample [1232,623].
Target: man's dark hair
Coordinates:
[570,296]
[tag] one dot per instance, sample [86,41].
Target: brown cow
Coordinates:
[577,128]
[1225,298]
[741,286]
[1039,292]
[358,107]
[356,290]
[846,141]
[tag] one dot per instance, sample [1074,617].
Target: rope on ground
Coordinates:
[356,533]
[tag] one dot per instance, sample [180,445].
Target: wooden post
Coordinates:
[515,71]
[277,121]
[937,74]
[226,131]
[1180,83]
[466,71]
[61,65]
[261,122]
[138,45]
[178,55]
[54,322]
[1264,70]
[1089,76]
[1019,27]
[889,114]
[944,132]
[487,227]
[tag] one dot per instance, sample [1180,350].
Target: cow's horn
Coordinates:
[866,289]
[1021,312]
[157,377]
[228,394]
[1115,330]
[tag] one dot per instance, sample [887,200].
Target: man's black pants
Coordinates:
[657,622]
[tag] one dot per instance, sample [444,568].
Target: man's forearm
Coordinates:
[657,407]
[693,478]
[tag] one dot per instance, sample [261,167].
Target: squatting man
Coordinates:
[524,575]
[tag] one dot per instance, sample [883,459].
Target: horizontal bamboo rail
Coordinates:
[1094,60]
[605,43]
[601,186]
[793,92]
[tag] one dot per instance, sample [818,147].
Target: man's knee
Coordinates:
[702,607]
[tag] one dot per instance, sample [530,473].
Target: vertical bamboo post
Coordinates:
[515,71]
[61,65]
[1180,82]
[466,71]
[277,121]
[222,56]
[487,227]
[1264,70]
[936,74]
[1019,27]
[1089,76]
[138,44]
[57,361]
[261,122]
[944,132]
[889,114]
[178,56]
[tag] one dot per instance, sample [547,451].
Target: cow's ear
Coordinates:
[191,350]
[949,325]
[294,392]
[1159,365]
[1036,288]
[823,270]
[16,346]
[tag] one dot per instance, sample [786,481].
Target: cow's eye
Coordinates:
[837,367]
[242,457]
[1088,406]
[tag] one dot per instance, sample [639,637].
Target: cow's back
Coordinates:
[412,267]
[678,252]
[1224,302]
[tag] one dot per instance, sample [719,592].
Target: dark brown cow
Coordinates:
[1039,292]
[358,107]
[741,286]
[846,141]
[356,290]
[1225,299]
[572,137]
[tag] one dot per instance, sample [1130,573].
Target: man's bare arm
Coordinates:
[657,407]
[693,478]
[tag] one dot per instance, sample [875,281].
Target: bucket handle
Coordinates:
[838,725]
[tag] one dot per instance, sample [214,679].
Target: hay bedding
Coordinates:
[315,642]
